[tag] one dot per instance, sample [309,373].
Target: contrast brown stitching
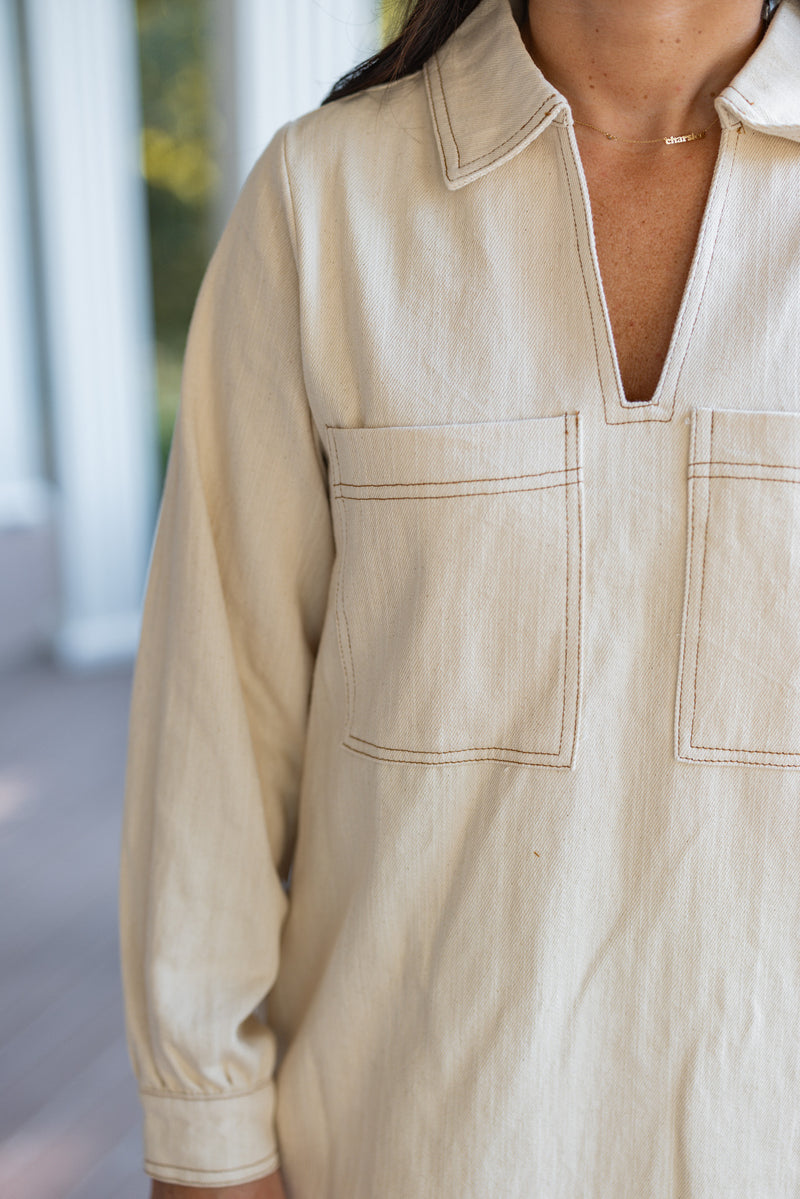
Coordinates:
[658,412]
[725,462]
[703,237]
[201,1170]
[683,311]
[344,614]
[495,152]
[702,586]
[580,605]
[331,430]
[744,97]
[462,749]
[753,478]
[451,761]
[567,595]
[462,482]
[685,632]
[432,102]
[447,110]
[441,755]
[740,761]
[340,601]
[683,314]
[451,495]
[727,750]
[583,273]
[502,748]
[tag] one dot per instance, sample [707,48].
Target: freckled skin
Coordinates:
[646,222]
[646,71]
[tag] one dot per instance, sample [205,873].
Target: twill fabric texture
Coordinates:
[461,827]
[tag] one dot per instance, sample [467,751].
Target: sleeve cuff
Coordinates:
[210,1140]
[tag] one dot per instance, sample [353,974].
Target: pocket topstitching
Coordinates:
[459,590]
[738,695]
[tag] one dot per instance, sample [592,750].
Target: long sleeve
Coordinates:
[235,601]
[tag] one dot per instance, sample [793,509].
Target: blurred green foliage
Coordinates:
[177,157]
[393,14]
[181,173]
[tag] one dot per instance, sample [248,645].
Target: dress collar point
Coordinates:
[741,110]
[470,153]
[488,99]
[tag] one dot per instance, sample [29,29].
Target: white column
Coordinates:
[23,491]
[85,98]
[277,59]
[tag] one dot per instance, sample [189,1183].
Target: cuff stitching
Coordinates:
[272,1157]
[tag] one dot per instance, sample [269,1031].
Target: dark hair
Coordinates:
[425,26]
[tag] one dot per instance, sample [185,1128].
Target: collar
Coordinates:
[489,99]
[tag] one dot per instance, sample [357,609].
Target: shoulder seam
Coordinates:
[289,197]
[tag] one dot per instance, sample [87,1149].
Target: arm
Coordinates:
[265,1188]
[236,596]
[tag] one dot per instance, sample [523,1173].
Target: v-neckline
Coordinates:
[617,408]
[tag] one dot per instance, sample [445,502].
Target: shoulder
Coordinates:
[378,134]
[346,168]
[384,111]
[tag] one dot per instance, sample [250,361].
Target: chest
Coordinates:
[646,226]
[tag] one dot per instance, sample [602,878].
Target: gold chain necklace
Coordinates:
[669,141]
[767,12]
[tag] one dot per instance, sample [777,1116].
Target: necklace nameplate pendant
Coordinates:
[687,137]
[670,141]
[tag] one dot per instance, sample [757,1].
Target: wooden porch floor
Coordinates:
[70,1125]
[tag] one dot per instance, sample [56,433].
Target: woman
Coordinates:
[459,854]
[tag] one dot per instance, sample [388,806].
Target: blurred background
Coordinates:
[127,128]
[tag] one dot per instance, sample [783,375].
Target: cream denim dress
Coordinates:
[461,846]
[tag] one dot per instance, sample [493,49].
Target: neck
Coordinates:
[642,68]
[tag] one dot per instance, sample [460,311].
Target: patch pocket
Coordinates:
[738,694]
[459,589]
